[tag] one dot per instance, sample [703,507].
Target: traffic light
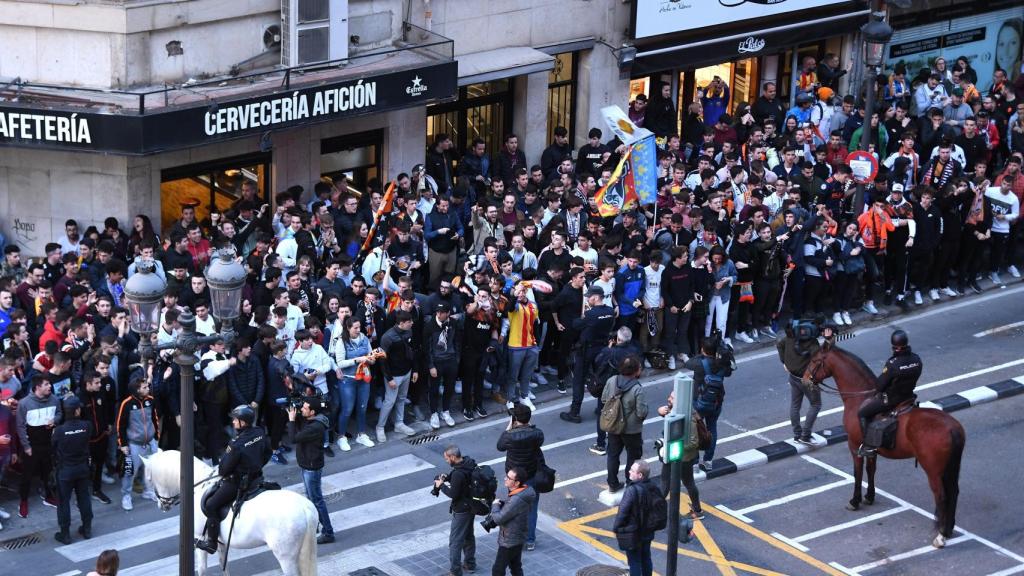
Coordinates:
[675,437]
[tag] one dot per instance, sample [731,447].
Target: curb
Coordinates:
[837,434]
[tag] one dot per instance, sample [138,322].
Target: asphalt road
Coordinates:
[380,503]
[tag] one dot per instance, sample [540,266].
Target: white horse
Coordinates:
[284,521]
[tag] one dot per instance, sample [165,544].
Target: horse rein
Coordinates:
[831,389]
[175,500]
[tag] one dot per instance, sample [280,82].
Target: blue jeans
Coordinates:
[531,530]
[640,563]
[355,394]
[711,420]
[522,364]
[311,480]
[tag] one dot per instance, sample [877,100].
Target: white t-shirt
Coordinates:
[652,288]
[609,289]
[589,256]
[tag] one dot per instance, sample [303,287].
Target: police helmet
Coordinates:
[244,413]
[899,339]
[803,98]
[71,403]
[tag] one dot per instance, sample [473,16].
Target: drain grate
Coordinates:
[20,542]
[424,439]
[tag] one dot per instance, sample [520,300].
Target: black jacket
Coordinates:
[596,325]
[245,381]
[637,500]
[458,486]
[443,343]
[308,438]
[245,456]
[71,448]
[899,376]
[522,446]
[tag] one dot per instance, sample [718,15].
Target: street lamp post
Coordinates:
[876,33]
[144,293]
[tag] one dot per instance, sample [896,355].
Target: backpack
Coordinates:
[599,377]
[655,510]
[483,487]
[613,419]
[711,391]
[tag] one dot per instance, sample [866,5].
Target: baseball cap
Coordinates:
[595,291]
[897,187]
[443,307]
[958,91]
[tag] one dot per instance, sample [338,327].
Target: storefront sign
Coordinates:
[937,42]
[657,17]
[751,45]
[215,121]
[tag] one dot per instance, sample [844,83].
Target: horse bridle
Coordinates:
[176,499]
[820,382]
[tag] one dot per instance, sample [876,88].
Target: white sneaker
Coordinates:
[381,436]
[869,307]
[540,379]
[671,362]
[448,418]
[846,319]
[343,444]
[435,421]
[529,404]
[742,337]
[4,515]
[510,405]
[647,364]
[126,502]
[837,319]
[934,295]
[549,370]
[1013,271]
[917,298]
[363,439]
[532,396]
[402,428]
[994,277]
[949,292]
[149,495]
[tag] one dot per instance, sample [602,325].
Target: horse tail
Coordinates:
[951,481]
[307,550]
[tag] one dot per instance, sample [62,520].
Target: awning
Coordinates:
[502,63]
[745,45]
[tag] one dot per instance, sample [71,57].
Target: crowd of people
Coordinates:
[470,281]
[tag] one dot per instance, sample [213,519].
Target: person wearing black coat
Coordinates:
[633,532]
[522,442]
[661,113]
[246,383]
[309,454]
[457,486]
[927,236]
[70,443]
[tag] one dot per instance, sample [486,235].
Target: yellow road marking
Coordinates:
[712,548]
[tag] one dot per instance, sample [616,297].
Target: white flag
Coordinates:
[622,126]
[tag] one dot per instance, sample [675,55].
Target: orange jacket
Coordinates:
[875,228]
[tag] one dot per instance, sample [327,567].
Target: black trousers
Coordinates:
[945,261]
[447,372]
[79,484]
[895,268]
[687,479]
[472,378]
[633,444]
[972,252]
[584,364]
[510,559]
[815,291]
[766,300]
[566,340]
[222,497]
[97,456]
[211,418]
[921,262]
[38,465]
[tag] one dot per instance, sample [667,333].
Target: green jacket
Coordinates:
[634,406]
[791,357]
[883,140]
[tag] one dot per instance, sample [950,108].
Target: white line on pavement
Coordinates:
[855,522]
[790,541]
[165,527]
[921,511]
[905,555]
[792,497]
[843,569]
[999,329]
[1009,571]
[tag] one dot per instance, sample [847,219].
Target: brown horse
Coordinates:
[933,437]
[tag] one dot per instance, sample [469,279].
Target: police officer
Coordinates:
[894,385]
[241,468]
[594,328]
[71,452]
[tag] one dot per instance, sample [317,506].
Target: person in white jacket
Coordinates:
[311,359]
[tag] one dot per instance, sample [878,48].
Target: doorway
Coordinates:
[358,157]
[211,186]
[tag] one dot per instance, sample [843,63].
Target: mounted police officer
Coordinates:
[71,453]
[895,385]
[241,469]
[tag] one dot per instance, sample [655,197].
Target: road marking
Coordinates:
[843,569]
[166,527]
[791,542]
[792,497]
[999,329]
[712,548]
[855,522]
[1008,571]
[922,511]
[905,555]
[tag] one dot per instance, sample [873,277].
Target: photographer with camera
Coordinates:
[795,352]
[512,519]
[521,441]
[308,438]
[457,485]
[710,369]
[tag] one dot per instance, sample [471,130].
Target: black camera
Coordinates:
[291,401]
[488,523]
[436,490]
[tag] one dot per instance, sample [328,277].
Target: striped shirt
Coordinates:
[521,322]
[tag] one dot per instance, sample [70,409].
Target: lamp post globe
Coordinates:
[225,277]
[877,34]
[144,293]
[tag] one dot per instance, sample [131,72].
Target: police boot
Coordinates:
[865,451]
[209,544]
[63,537]
[85,530]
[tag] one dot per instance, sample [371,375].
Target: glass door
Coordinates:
[211,186]
[358,157]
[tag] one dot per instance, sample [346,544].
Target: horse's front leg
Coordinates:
[858,475]
[869,497]
[223,552]
[201,557]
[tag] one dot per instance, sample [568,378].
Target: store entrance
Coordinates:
[210,186]
[741,76]
[358,157]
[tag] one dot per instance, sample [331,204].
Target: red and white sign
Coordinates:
[864,166]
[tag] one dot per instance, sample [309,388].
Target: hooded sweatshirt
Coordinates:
[634,406]
[34,414]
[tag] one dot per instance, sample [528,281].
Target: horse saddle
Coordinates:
[883,427]
[242,497]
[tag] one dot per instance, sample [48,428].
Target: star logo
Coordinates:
[416,82]
[417,87]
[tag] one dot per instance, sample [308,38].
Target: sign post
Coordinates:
[677,431]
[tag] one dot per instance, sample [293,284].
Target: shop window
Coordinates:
[214,185]
[482,111]
[785,76]
[562,95]
[639,86]
[358,157]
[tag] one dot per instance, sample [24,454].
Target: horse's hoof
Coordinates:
[853,506]
[939,541]
[868,501]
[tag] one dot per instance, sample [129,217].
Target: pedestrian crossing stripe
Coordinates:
[583,529]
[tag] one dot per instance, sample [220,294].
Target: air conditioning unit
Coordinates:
[313,31]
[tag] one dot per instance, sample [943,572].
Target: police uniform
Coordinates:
[241,468]
[71,453]
[895,384]
[595,328]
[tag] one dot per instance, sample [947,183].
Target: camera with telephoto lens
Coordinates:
[436,490]
[488,523]
[294,400]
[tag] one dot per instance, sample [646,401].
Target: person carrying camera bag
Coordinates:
[521,442]
[308,438]
[625,395]
[458,485]
[512,519]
